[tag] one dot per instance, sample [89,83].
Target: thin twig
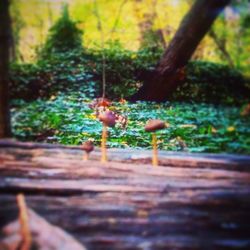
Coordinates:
[100,28]
[24,223]
[118,17]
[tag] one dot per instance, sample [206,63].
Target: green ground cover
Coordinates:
[192,127]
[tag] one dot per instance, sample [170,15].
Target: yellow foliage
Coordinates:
[120,21]
[231,129]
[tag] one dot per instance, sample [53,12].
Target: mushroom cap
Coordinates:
[154,125]
[88,146]
[108,118]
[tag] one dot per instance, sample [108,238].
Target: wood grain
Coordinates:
[127,203]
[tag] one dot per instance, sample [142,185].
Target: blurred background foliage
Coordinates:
[135,24]
[57,47]
[57,62]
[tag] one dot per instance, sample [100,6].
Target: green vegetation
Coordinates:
[133,24]
[64,65]
[52,92]
[193,127]
[78,70]
[63,36]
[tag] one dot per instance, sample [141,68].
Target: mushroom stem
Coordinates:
[86,156]
[103,145]
[155,153]
[24,223]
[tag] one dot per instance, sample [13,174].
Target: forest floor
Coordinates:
[191,201]
[71,120]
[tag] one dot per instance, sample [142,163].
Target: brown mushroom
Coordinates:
[153,126]
[88,147]
[108,119]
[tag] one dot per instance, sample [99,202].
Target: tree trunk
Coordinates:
[169,73]
[5,38]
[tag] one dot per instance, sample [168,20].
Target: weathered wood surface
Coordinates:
[180,159]
[120,205]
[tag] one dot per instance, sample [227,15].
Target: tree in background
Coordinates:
[168,74]
[149,36]
[241,37]
[230,35]
[17,24]
[5,34]
[245,24]
[63,36]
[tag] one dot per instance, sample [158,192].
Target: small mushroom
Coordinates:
[108,119]
[153,126]
[88,147]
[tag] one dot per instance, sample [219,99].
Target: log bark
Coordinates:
[168,74]
[127,206]
[5,39]
[31,150]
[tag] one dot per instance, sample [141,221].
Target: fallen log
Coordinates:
[173,159]
[127,205]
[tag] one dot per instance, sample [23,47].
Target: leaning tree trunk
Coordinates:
[168,74]
[5,36]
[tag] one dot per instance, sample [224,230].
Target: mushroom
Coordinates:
[88,147]
[108,119]
[153,126]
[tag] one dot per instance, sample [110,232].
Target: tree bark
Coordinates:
[168,74]
[5,38]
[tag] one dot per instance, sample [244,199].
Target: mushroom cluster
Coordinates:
[109,119]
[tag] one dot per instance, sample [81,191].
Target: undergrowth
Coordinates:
[193,127]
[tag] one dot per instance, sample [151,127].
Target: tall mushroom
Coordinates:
[108,119]
[153,126]
[88,147]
